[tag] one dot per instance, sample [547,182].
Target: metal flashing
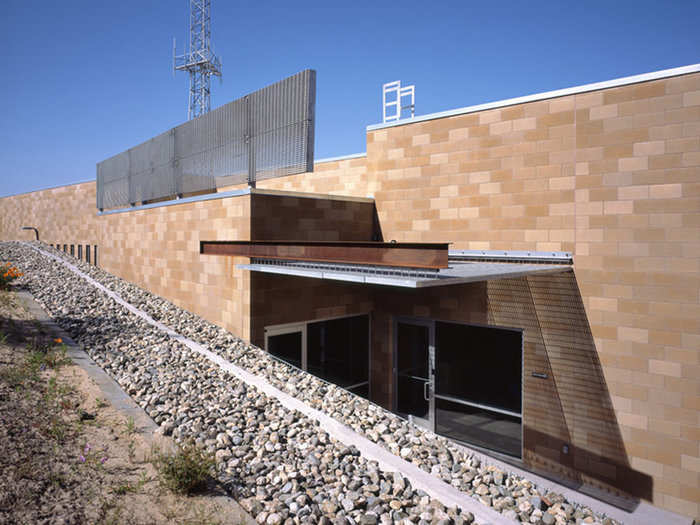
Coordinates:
[185,200]
[511,256]
[308,195]
[457,273]
[342,157]
[47,188]
[624,81]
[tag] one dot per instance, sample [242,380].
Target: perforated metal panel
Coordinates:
[267,134]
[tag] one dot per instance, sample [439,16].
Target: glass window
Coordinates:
[286,347]
[484,428]
[478,385]
[338,351]
[480,364]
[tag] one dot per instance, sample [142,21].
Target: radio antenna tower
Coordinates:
[200,62]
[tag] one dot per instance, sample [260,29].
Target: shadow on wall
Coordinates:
[570,426]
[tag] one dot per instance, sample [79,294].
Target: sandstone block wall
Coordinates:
[612,176]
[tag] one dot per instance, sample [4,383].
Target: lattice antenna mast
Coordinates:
[200,62]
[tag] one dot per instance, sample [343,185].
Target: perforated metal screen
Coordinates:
[267,134]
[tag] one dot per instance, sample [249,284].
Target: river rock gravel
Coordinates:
[279,464]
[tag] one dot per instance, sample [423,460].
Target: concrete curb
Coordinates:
[111,390]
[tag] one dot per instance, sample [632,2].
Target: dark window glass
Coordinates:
[479,364]
[361,390]
[483,428]
[412,373]
[72,250]
[65,248]
[94,255]
[286,347]
[87,253]
[338,351]
[80,252]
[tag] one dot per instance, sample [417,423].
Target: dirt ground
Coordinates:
[66,455]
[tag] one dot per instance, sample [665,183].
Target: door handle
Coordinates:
[426,388]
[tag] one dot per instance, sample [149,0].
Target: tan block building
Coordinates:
[591,374]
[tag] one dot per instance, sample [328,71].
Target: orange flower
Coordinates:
[58,340]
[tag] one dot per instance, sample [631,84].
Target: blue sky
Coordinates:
[84,80]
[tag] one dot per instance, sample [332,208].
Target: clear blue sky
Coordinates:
[84,80]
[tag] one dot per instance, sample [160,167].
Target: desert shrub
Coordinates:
[184,471]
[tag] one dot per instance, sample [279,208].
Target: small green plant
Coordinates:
[15,376]
[202,516]
[58,429]
[127,487]
[124,488]
[42,357]
[185,471]
[132,450]
[3,338]
[130,425]
[101,403]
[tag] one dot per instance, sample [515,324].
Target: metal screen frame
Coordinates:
[267,134]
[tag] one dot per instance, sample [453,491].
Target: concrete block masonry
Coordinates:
[368,447]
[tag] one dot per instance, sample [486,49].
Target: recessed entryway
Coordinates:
[462,381]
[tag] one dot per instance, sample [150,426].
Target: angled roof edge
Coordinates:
[624,81]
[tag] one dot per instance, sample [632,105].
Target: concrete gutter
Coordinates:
[117,398]
[111,390]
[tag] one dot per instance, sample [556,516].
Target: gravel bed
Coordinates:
[276,474]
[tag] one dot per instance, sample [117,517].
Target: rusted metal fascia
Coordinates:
[403,255]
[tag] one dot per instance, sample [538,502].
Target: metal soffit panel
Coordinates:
[457,273]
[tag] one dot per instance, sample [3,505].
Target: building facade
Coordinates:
[590,374]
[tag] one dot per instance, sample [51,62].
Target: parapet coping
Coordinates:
[58,186]
[237,193]
[342,157]
[310,195]
[624,81]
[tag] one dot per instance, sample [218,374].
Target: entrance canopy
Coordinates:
[456,273]
[406,265]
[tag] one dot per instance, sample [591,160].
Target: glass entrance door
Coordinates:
[461,381]
[478,386]
[414,351]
